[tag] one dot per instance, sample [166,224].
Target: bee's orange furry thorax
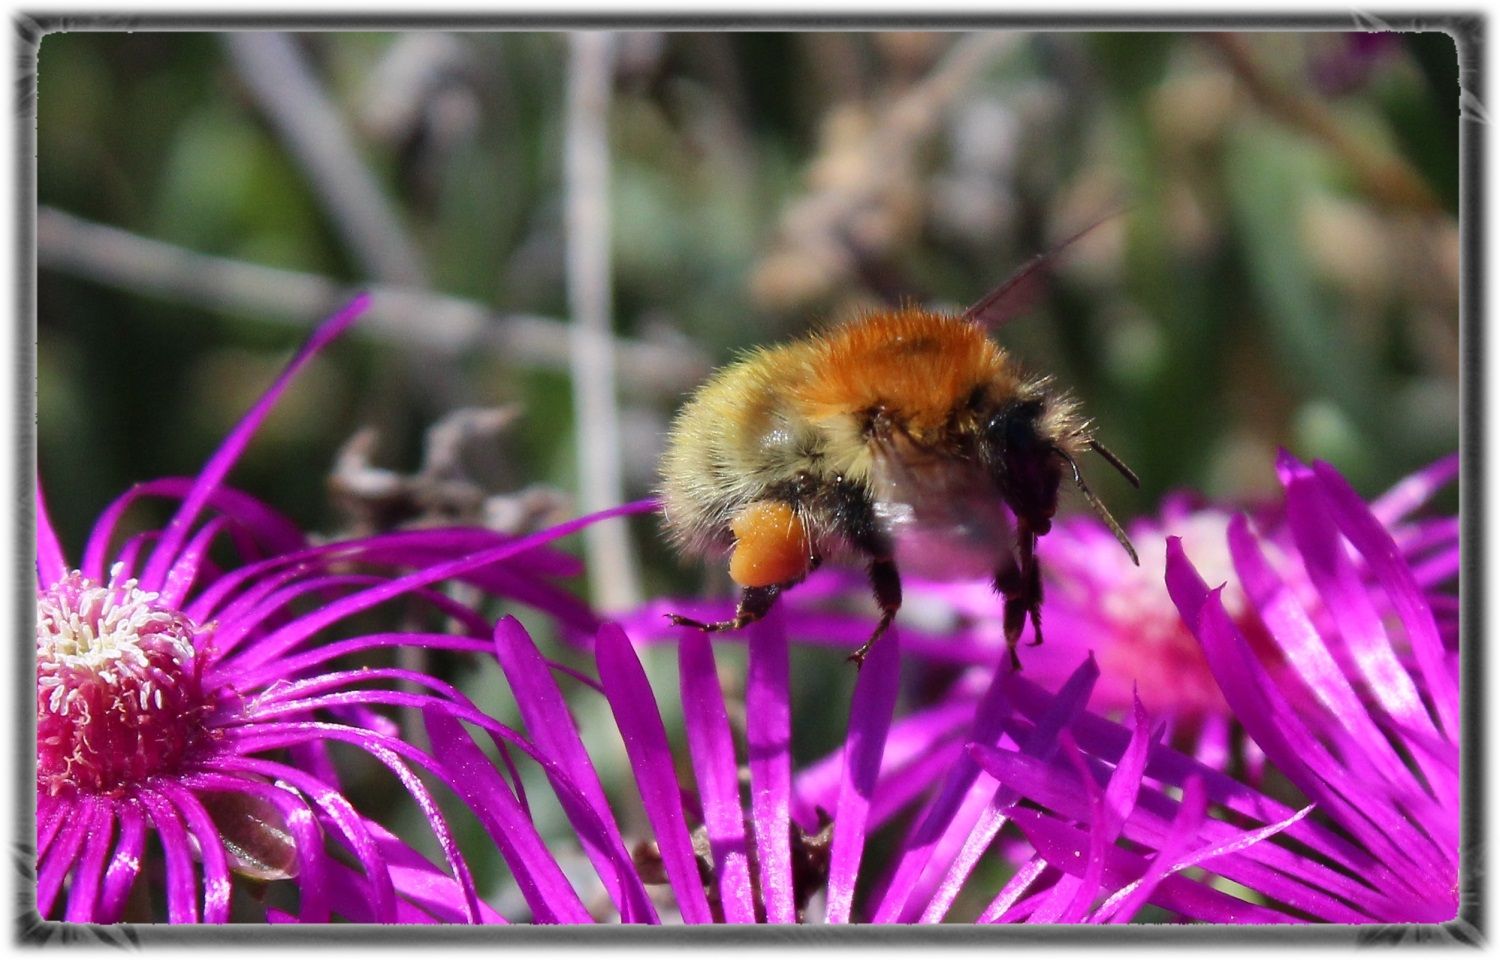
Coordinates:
[916,365]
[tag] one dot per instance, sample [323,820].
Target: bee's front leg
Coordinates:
[1020,582]
[755,603]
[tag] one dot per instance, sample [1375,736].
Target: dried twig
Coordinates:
[404,315]
[1385,176]
[276,74]
[612,573]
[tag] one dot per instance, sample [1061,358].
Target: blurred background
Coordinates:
[1285,271]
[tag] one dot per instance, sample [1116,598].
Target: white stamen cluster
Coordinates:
[119,693]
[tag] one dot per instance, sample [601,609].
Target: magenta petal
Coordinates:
[908,746]
[218,466]
[869,720]
[711,746]
[185,571]
[634,707]
[216,889]
[1062,846]
[275,532]
[1012,891]
[421,883]
[182,881]
[350,824]
[1124,903]
[551,727]
[1294,632]
[1415,490]
[1275,726]
[88,873]
[1107,816]
[542,883]
[125,864]
[191,563]
[769,734]
[58,860]
[313,864]
[304,627]
[938,818]
[51,813]
[51,564]
[1348,600]
[1042,742]
[1374,542]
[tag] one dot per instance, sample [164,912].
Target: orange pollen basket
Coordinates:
[771,545]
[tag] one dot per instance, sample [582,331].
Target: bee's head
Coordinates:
[1025,463]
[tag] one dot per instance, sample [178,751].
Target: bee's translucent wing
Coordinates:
[1021,291]
[943,516]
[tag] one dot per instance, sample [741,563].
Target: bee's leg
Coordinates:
[755,603]
[885,581]
[1031,575]
[1020,582]
[1009,583]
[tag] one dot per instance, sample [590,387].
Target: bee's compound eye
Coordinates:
[1024,463]
[1011,432]
[771,545]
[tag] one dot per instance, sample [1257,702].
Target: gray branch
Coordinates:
[403,315]
[293,100]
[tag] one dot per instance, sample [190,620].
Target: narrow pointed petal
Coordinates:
[182,882]
[547,719]
[938,818]
[1042,743]
[216,890]
[218,466]
[769,734]
[1375,544]
[542,883]
[304,627]
[51,564]
[1062,846]
[711,746]
[88,872]
[60,856]
[634,708]
[1411,493]
[124,864]
[869,720]
[1013,890]
[1124,903]
[350,824]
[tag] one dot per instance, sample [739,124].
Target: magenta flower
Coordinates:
[1114,820]
[1359,713]
[194,702]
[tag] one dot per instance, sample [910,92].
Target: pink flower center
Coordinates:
[119,686]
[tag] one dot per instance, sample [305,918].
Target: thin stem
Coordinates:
[612,572]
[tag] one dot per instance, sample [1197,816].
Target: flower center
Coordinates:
[119,690]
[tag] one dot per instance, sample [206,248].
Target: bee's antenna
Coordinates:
[1098,505]
[1115,462]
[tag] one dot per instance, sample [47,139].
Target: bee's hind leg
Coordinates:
[755,603]
[885,581]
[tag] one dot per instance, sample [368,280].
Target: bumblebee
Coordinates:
[906,438]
